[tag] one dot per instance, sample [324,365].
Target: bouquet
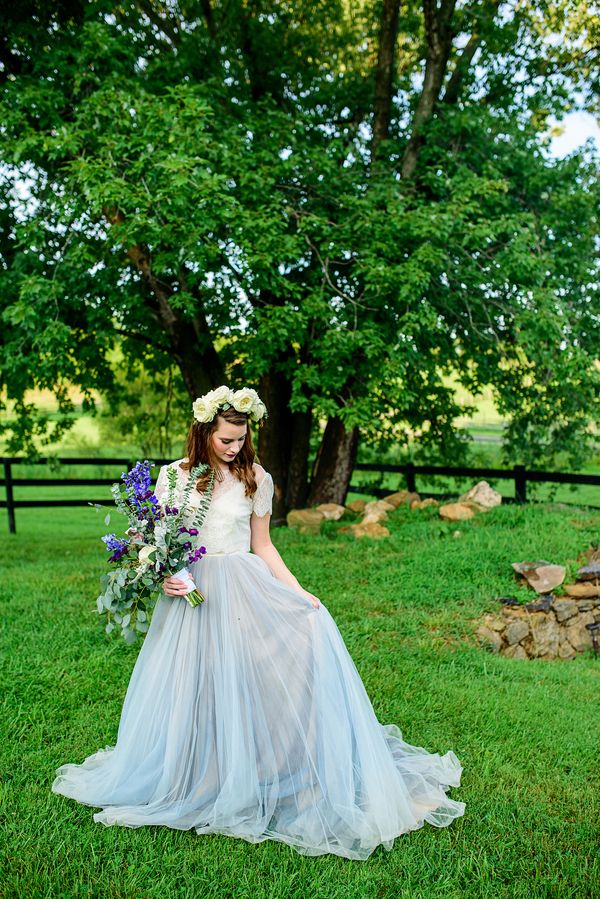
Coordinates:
[157,545]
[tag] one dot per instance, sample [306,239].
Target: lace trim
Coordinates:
[263,498]
[262,501]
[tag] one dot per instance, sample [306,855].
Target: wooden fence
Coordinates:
[518,474]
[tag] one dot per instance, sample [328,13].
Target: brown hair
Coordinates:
[200,450]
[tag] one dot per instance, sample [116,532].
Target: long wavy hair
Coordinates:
[200,450]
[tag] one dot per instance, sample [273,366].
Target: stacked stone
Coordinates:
[556,628]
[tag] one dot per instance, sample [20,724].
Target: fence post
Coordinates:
[520,483]
[10,502]
[409,473]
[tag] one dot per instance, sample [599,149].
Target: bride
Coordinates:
[246,715]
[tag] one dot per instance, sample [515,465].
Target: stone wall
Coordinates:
[558,631]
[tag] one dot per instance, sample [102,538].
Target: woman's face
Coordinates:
[228,439]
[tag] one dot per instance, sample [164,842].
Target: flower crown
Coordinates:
[245,400]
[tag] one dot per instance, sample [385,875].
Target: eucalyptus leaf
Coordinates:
[129,635]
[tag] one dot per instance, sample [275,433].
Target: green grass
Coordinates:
[525,732]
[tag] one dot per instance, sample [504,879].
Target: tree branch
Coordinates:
[465,59]
[384,76]
[438,33]
[190,342]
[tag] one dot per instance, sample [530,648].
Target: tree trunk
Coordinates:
[334,463]
[297,486]
[384,76]
[275,437]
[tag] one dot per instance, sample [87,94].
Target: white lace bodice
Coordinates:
[226,527]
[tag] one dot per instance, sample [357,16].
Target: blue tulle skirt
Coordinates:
[246,716]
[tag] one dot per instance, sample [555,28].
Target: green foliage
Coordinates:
[149,408]
[169,172]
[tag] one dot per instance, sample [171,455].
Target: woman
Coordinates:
[246,715]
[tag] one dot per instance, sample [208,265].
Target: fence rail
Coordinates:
[519,474]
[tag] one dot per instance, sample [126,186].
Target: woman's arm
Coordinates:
[262,545]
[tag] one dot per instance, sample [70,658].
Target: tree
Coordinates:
[359,200]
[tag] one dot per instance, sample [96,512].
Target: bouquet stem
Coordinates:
[194,598]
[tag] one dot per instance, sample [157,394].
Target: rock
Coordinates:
[586,605]
[516,631]
[522,567]
[374,516]
[516,611]
[401,497]
[577,634]
[508,600]
[583,589]
[564,608]
[566,651]
[305,521]
[544,636]
[423,503]
[378,505]
[482,494]
[543,604]
[515,652]
[357,505]
[589,572]
[369,529]
[331,511]
[542,576]
[490,637]
[457,512]
[494,623]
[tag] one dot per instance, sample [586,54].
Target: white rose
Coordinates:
[259,410]
[204,410]
[222,394]
[243,400]
[145,553]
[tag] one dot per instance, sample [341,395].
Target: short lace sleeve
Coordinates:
[262,501]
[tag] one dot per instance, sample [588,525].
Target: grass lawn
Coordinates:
[526,733]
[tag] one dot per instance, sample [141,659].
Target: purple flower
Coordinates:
[138,480]
[193,532]
[113,542]
[196,555]
[116,545]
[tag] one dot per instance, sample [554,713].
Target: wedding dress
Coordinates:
[246,715]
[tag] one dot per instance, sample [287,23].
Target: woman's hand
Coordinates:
[314,600]
[173,586]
